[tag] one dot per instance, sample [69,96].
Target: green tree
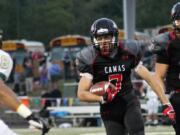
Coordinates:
[153,13]
[44,19]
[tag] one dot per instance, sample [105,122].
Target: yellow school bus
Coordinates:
[17,51]
[70,43]
[67,45]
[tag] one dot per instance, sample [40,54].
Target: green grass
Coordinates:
[159,130]
[61,131]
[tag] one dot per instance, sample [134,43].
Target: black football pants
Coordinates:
[130,121]
[133,122]
[175,101]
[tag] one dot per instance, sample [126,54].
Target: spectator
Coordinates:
[152,105]
[44,76]
[28,74]
[55,74]
[67,64]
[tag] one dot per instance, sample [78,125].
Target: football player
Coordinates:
[168,62]
[109,59]
[9,99]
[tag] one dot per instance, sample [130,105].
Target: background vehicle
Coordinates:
[64,49]
[33,46]
[63,52]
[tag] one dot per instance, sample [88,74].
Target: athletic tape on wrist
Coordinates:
[23,111]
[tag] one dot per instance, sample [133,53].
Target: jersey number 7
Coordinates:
[118,78]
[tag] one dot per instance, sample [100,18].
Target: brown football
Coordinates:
[100,87]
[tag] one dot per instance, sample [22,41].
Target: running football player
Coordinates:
[109,59]
[168,62]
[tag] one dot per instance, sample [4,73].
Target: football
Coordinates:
[100,88]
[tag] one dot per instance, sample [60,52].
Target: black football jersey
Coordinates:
[115,69]
[170,55]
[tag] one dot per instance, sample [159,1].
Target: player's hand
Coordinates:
[38,123]
[110,93]
[169,112]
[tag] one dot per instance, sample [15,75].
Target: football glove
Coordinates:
[38,123]
[169,112]
[110,93]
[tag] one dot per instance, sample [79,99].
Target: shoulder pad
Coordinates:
[87,55]
[133,47]
[85,59]
[160,42]
[6,64]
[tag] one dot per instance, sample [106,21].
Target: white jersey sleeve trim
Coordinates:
[87,75]
[23,111]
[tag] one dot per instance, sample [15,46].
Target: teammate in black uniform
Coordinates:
[168,62]
[110,60]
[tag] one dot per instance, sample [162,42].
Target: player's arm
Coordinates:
[161,66]
[158,88]
[160,72]
[103,92]
[151,79]
[84,60]
[9,98]
[84,86]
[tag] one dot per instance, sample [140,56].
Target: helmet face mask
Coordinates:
[105,44]
[104,35]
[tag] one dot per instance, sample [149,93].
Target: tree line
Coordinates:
[43,20]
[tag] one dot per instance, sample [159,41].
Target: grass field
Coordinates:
[159,130]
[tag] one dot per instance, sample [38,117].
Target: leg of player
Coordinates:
[114,128]
[4,129]
[134,120]
[175,100]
